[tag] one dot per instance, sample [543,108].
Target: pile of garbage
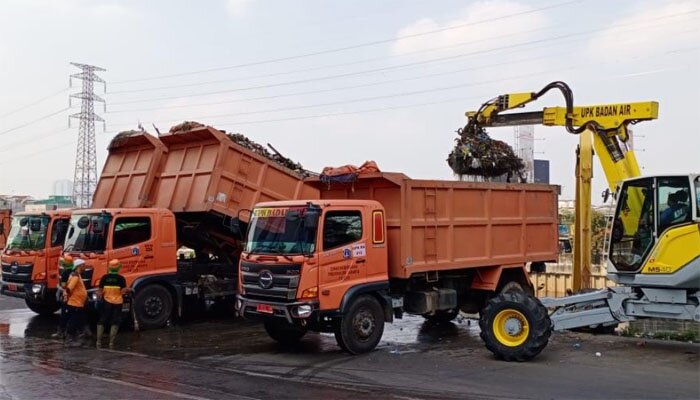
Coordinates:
[256,148]
[475,153]
[273,155]
[348,173]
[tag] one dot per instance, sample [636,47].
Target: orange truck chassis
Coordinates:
[384,245]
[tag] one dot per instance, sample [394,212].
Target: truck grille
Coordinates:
[270,281]
[17,273]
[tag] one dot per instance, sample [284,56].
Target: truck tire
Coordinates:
[362,326]
[442,316]
[44,309]
[284,333]
[153,306]
[515,326]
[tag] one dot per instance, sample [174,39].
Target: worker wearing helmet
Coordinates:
[65,264]
[75,297]
[112,290]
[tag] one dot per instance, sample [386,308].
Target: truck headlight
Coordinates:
[239,304]
[304,311]
[36,289]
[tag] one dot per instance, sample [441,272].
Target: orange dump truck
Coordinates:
[30,258]
[188,187]
[30,264]
[384,245]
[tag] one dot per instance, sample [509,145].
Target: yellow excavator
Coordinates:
[654,240]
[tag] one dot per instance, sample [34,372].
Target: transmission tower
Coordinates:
[85,178]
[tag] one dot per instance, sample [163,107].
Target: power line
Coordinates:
[35,102]
[335,89]
[328,66]
[382,69]
[33,121]
[355,46]
[10,147]
[363,99]
[500,79]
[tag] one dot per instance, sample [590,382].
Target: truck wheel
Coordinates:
[361,328]
[442,316]
[515,326]
[153,306]
[284,333]
[43,309]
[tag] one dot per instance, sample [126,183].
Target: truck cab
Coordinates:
[302,263]
[146,242]
[30,258]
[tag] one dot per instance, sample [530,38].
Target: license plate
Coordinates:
[264,308]
[11,287]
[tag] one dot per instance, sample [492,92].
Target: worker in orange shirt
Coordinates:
[112,291]
[75,297]
[66,263]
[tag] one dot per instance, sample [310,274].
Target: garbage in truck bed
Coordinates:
[477,154]
[347,173]
[250,145]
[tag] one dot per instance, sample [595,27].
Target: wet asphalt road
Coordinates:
[219,358]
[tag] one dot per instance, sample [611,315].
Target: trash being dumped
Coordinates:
[274,155]
[256,148]
[475,153]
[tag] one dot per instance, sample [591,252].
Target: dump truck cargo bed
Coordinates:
[204,170]
[445,225]
[130,171]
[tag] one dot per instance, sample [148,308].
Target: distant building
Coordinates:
[541,171]
[14,202]
[51,203]
[63,187]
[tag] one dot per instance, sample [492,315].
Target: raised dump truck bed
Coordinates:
[204,170]
[130,171]
[443,225]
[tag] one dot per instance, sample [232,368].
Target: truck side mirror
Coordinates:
[98,225]
[311,219]
[23,221]
[83,222]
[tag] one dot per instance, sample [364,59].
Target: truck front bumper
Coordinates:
[302,313]
[36,292]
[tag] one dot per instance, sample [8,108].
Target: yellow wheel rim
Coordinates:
[511,328]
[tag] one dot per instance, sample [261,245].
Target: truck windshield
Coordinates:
[280,231]
[87,232]
[633,229]
[28,232]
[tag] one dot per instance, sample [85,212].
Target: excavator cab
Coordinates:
[650,212]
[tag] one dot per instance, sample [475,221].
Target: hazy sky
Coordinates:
[337,82]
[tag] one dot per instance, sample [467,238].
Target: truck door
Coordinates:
[132,244]
[343,255]
[59,228]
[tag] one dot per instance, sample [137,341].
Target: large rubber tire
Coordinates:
[44,309]
[525,316]
[285,334]
[153,307]
[442,316]
[362,326]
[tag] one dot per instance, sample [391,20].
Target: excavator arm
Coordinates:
[601,128]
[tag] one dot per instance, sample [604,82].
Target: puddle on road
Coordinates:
[225,336]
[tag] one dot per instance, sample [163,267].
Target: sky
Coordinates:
[336,82]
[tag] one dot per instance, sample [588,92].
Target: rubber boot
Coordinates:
[100,332]
[59,334]
[113,330]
